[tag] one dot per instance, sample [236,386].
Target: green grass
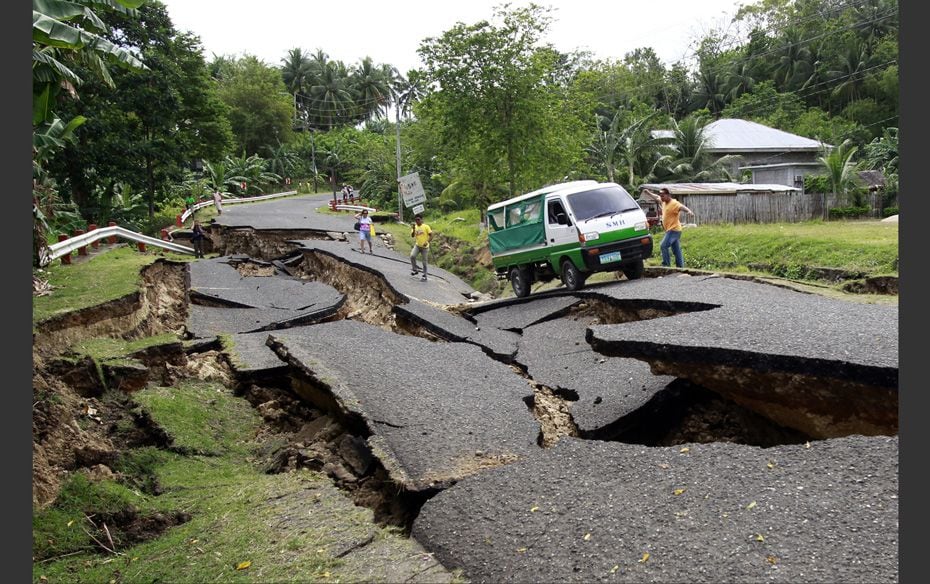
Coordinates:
[105,348]
[107,276]
[867,246]
[288,526]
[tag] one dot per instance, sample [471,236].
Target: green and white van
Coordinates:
[570,230]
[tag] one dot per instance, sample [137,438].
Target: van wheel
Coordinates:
[633,271]
[571,276]
[521,281]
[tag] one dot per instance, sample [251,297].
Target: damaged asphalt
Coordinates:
[443,397]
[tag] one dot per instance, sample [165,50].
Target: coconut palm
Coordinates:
[371,89]
[690,161]
[839,167]
[332,98]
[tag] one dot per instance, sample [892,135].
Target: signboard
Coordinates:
[411,190]
[418,209]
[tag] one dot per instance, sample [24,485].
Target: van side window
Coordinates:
[524,212]
[496,219]
[555,207]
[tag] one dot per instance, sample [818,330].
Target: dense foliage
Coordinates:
[494,111]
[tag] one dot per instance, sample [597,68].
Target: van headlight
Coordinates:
[641,226]
[591,235]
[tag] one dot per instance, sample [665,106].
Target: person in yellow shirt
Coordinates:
[422,235]
[672,224]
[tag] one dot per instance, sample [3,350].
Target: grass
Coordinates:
[107,276]
[866,246]
[104,348]
[245,525]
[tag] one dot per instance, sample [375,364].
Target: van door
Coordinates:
[560,230]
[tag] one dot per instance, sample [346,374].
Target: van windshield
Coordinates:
[601,202]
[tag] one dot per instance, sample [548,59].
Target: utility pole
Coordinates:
[400,202]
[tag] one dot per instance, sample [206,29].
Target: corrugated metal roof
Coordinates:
[781,165]
[743,135]
[724,188]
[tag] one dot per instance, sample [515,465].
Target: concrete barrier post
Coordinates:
[178,222]
[112,239]
[141,246]
[95,243]
[82,251]
[65,259]
[164,235]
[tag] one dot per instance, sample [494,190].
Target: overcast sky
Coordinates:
[390,32]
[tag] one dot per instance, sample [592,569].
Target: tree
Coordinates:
[502,120]
[690,161]
[146,133]
[261,110]
[839,167]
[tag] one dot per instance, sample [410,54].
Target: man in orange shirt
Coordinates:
[672,224]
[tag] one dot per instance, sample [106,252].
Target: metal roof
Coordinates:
[780,165]
[732,135]
[722,188]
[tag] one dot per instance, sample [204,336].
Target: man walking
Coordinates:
[422,235]
[672,224]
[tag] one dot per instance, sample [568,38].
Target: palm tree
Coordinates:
[690,161]
[791,54]
[848,73]
[220,178]
[371,87]
[710,92]
[298,74]
[332,100]
[282,160]
[631,146]
[409,90]
[839,166]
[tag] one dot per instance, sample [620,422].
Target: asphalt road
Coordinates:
[451,414]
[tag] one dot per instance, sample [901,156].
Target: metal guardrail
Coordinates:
[232,201]
[66,247]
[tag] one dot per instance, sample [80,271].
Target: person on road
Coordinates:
[218,202]
[672,224]
[365,230]
[422,235]
[197,239]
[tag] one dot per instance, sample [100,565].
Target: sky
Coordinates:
[390,32]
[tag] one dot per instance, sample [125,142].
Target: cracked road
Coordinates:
[681,428]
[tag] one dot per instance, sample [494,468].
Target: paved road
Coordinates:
[452,414]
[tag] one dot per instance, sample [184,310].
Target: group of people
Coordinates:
[347,193]
[190,201]
[421,233]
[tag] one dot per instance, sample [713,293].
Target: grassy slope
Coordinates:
[245,525]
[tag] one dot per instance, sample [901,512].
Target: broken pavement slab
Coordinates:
[608,389]
[587,511]
[442,287]
[822,366]
[246,283]
[294,213]
[499,344]
[430,425]
[516,315]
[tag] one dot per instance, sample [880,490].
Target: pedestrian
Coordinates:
[345,193]
[218,202]
[197,239]
[364,230]
[422,235]
[672,224]
[189,202]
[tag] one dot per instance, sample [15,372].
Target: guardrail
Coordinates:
[68,246]
[231,201]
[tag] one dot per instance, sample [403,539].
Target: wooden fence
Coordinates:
[766,207]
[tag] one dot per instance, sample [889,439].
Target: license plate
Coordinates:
[613,256]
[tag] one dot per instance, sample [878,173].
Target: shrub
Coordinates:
[817,183]
[889,211]
[848,212]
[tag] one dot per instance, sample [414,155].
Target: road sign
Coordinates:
[411,190]
[418,209]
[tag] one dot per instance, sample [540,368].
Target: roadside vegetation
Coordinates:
[209,486]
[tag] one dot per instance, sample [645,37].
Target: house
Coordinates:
[772,156]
